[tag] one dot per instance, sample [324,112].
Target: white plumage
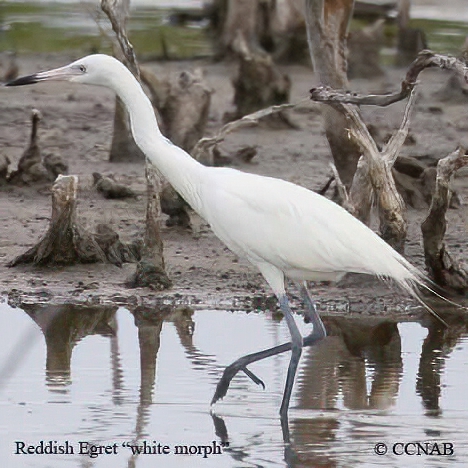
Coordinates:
[281,228]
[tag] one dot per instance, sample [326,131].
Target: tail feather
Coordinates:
[410,285]
[415,280]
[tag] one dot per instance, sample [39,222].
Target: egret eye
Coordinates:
[82,68]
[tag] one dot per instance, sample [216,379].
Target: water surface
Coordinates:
[106,376]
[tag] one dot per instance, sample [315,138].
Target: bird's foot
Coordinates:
[253,377]
[228,375]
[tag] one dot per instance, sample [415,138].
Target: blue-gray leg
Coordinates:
[296,351]
[311,313]
[317,334]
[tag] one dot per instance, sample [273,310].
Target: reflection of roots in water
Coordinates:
[341,364]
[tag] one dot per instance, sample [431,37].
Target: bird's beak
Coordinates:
[58,74]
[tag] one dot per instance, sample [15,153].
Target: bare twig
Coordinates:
[342,192]
[150,270]
[203,150]
[425,59]
[374,172]
[392,149]
[117,12]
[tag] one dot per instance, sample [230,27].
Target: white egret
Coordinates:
[283,229]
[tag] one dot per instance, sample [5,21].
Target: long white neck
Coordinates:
[177,166]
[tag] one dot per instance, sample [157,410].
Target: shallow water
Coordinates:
[108,377]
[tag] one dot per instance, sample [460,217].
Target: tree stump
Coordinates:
[32,168]
[454,91]
[123,147]
[410,40]
[364,51]
[67,243]
[150,271]
[185,109]
[442,267]
[259,83]
[175,206]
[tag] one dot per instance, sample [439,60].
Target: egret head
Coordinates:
[95,69]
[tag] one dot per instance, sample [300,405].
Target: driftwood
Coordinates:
[67,242]
[33,169]
[442,267]
[150,269]
[378,171]
[326,27]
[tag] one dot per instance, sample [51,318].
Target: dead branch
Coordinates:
[442,267]
[150,270]
[204,151]
[117,11]
[343,197]
[361,192]
[123,147]
[425,59]
[378,172]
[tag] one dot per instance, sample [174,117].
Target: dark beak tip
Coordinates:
[22,81]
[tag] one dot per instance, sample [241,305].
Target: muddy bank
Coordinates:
[77,125]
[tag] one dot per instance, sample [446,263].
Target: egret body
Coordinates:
[283,229]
